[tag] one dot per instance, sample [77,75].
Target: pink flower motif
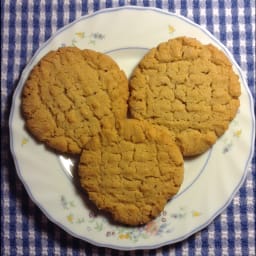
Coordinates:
[152,228]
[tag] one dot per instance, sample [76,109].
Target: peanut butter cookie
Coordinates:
[131,172]
[70,95]
[188,87]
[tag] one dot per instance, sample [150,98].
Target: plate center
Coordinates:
[127,58]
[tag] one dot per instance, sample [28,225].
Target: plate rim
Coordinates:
[19,87]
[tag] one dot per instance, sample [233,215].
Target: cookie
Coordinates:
[188,87]
[70,95]
[131,172]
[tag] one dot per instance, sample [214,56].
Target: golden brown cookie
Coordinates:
[188,87]
[70,95]
[131,172]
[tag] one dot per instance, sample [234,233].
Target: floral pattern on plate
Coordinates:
[163,224]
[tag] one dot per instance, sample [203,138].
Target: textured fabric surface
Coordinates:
[25,25]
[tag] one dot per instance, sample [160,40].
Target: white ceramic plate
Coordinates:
[211,180]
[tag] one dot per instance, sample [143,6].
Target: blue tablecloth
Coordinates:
[25,25]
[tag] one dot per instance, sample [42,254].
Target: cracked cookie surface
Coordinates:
[132,171]
[70,95]
[188,87]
